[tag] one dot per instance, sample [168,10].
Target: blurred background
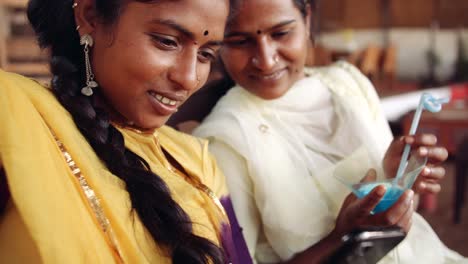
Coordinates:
[404,47]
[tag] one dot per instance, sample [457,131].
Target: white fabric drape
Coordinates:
[290,148]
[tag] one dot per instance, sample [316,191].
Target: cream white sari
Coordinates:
[279,157]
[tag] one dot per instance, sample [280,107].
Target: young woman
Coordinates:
[282,132]
[89,172]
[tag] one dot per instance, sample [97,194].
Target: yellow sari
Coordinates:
[49,219]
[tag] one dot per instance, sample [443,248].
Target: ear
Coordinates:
[85,16]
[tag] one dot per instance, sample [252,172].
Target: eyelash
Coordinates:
[164,42]
[280,34]
[238,42]
[245,41]
[169,44]
[206,57]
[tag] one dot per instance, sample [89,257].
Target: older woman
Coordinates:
[283,130]
[93,174]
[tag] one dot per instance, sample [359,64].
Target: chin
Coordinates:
[271,95]
[152,123]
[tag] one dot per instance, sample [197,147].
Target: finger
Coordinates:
[433,173]
[429,187]
[349,200]
[421,140]
[371,175]
[394,213]
[434,154]
[406,219]
[365,205]
[397,145]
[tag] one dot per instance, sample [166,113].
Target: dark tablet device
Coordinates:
[367,246]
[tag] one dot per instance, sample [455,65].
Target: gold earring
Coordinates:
[74,5]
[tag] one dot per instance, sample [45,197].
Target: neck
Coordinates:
[117,119]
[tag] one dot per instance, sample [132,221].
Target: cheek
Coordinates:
[235,60]
[295,50]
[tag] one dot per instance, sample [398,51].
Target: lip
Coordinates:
[161,108]
[268,77]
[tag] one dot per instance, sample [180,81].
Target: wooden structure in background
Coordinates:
[339,14]
[19,51]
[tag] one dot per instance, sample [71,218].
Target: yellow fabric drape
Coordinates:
[48,219]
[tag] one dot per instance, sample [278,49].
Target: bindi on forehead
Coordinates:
[259,32]
[206,33]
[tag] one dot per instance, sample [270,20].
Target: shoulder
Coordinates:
[9,80]
[345,80]
[342,73]
[15,85]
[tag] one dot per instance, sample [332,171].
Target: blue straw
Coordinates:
[428,102]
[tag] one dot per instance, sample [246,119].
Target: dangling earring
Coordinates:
[87,41]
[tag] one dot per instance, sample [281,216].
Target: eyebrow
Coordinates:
[187,33]
[279,25]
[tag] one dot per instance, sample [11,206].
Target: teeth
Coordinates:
[271,76]
[163,99]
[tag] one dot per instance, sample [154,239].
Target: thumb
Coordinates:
[370,201]
[371,176]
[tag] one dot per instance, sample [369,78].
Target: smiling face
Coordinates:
[155,56]
[266,53]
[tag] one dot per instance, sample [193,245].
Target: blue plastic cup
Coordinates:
[393,189]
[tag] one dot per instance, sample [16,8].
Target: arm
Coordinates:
[356,213]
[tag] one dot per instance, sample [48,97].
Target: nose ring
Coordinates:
[276,59]
[255,60]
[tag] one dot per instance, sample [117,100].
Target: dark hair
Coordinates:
[168,224]
[302,6]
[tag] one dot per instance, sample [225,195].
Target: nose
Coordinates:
[184,71]
[266,56]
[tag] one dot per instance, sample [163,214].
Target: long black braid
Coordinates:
[168,224]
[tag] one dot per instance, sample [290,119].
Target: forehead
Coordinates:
[197,16]
[272,12]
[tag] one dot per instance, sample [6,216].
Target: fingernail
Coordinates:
[422,185]
[426,171]
[432,139]
[423,151]
[409,139]
[410,195]
[381,191]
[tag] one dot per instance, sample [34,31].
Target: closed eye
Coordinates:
[164,42]
[206,55]
[237,41]
[280,34]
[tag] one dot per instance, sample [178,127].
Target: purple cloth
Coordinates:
[233,240]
